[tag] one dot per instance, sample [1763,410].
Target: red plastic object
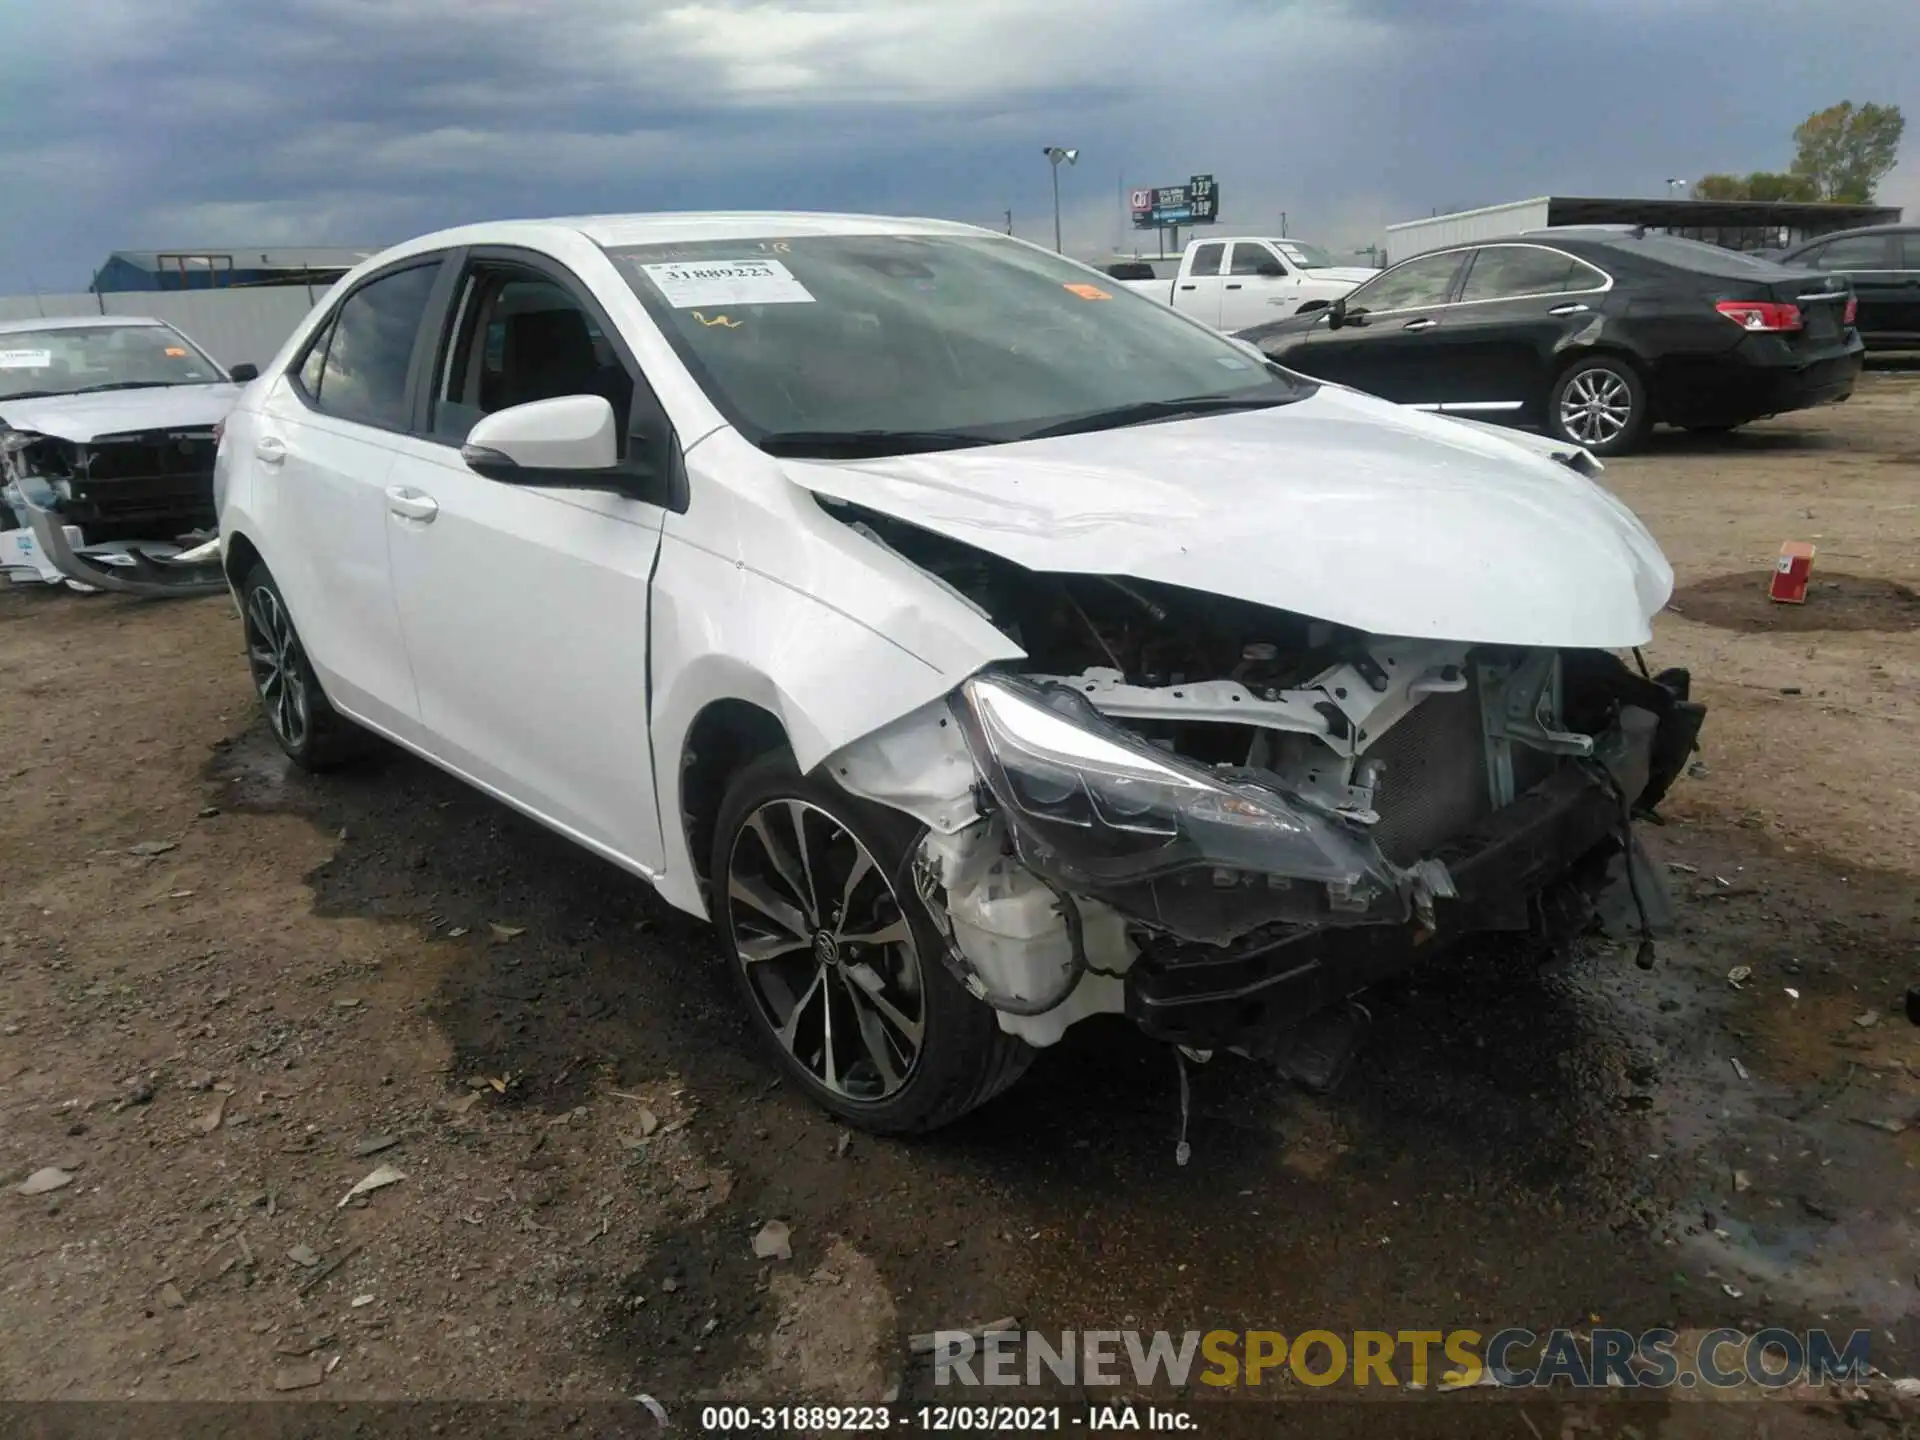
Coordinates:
[1791,572]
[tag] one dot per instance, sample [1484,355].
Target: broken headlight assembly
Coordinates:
[1091,805]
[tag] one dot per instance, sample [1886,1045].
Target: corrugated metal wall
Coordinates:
[1416,237]
[233,326]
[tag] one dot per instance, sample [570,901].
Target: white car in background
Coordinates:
[979,648]
[106,454]
[1236,282]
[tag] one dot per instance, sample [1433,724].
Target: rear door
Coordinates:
[1872,264]
[322,449]
[1518,304]
[526,610]
[1387,345]
[1259,286]
[1197,290]
[1907,311]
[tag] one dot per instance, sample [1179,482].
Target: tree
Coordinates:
[1845,151]
[1760,185]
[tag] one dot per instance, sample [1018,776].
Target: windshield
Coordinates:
[69,359]
[1307,257]
[932,340]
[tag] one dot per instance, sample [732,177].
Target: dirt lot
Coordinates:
[230,993]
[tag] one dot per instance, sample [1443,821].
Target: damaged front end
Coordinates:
[1239,819]
[131,513]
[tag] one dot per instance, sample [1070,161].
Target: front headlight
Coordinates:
[1091,805]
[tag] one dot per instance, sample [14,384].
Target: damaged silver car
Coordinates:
[107,439]
[979,646]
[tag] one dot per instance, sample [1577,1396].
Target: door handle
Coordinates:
[1187,286]
[270,450]
[1576,308]
[411,504]
[1426,324]
[1233,285]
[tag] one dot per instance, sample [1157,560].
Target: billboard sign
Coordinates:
[1195,203]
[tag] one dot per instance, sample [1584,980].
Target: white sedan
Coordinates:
[980,646]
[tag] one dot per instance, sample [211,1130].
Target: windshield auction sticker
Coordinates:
[25,359]
[686,284]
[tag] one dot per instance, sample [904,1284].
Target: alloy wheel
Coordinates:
[1596,406]
[827,951]
[273,654]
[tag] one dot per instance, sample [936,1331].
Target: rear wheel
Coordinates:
[314,735]
[1599,403]
[839,964]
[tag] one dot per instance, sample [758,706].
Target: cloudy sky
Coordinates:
[142,124]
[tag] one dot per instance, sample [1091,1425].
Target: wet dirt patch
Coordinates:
[1834,602]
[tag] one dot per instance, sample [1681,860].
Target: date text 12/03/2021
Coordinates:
[940,1419]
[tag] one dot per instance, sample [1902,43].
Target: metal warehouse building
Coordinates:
[223,269]
[1736,224]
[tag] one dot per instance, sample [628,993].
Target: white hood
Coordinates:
[1340,506]
[1346,274]
[81,418]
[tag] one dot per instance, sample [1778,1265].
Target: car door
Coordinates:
[1517,306]
[1384,344]
[1197,289]
[526,610]
[1258,287]
[322,451]
[1907,313]
[1871,264]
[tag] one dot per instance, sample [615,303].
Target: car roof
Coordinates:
[615,231]
[74,322]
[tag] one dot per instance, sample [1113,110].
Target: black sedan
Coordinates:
[1882,263]
[1594,334]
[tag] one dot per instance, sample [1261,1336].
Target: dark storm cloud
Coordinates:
[350,121]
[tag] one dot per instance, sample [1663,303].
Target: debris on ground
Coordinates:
[147,849]
[299,1377]
[1740,1069]
[171,1297]
[303,1256]
[44,1181]
[214,1118]
[843,1144]
[1742,1182]
[923,1343]
[1890,1125]
[374,1144]
[774,1242]
[1739,975]
[379,1180]
[506,932]
[1868,1020]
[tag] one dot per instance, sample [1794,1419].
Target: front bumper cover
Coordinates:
[133,569]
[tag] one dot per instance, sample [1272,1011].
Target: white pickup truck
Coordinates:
[1240,281]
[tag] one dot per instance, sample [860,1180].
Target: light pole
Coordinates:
[1676,184]
[1055,154]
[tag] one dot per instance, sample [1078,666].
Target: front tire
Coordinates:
[837,961]
[1599,402]
[311,732]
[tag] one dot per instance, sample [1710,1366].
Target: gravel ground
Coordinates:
[232,992]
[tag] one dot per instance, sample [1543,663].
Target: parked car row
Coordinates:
[979,645]
[1596,335]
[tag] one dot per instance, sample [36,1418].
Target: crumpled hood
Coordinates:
[81,418]
[1339,506]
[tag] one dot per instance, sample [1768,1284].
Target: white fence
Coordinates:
[234,326]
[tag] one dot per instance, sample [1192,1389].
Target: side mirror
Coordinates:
[568,441]
[243,372]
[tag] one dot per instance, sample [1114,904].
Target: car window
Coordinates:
[1504,272]
[364,376]
[523,337]
[1854,252]
[313,368]
[1250,259]
[1206,260]
[1414,285]
[1910,251]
